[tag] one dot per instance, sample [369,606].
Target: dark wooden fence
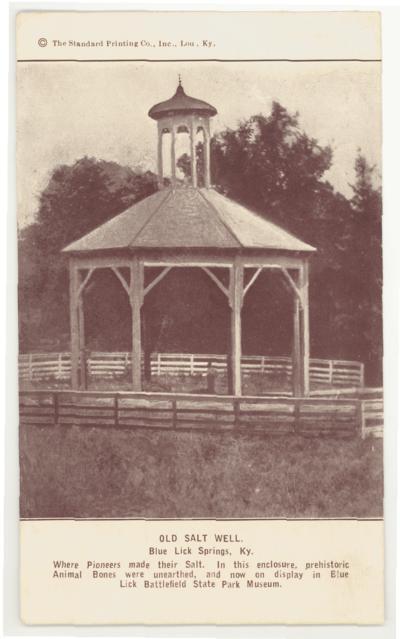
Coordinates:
[279,415]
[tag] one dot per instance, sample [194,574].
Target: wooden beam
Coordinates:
[217,281]
[215,259]
[82,352]
[251,281]
[121,278]
[101,261]
[206,147]
[173,157]
[292,284]
[296,350]
[201,258]
[305,330]
[85,280]
[160,171]
[156,280]
[193,162]
[236,293]
[136,299]
[74,323]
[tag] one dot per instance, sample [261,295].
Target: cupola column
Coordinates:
[173,155]
[160,157]
[207,179]
[193,158]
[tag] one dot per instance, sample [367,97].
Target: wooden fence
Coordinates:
[372,417]
[334,373]
[306,416]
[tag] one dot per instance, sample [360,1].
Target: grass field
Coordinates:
[91,472]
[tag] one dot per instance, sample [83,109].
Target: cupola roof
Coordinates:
[181,104]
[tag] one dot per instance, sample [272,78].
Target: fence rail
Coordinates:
[274,415]
[333,373]
[372,417]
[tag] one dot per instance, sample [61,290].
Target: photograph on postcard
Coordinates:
[200,275]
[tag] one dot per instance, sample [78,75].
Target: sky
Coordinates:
[67,110]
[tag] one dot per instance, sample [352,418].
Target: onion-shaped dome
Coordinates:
[181,104]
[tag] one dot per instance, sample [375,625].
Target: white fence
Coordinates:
[334,373]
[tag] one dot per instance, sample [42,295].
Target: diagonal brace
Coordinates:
[156,280]
[252,280]
[121,278]
[84,282]
[218,282]
[293,285]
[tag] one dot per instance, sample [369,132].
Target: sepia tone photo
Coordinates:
[200,284]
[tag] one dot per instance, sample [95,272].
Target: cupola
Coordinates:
[183,114]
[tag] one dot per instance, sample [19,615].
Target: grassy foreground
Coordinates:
[90,472]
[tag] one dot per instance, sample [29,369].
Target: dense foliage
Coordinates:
[268,164]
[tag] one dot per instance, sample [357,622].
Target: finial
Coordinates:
[180,79]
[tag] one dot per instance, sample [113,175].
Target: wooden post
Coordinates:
[159,364]
[160,157]
[74,323]
[136,285]
[116,416]
[360,419]
[304,331]
[330,373]
[56,408]
[193,152]
[362,376]
[59,371]
[173,156]
[206,146]
[82,354]
[174,414]
[296,352]
[146,349]
[236,298]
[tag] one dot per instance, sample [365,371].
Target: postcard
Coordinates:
[200,317]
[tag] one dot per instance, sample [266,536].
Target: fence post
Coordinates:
[59,365]
[116,421]
[56,409]
[30,367]
[236,412]
[362,373]
[297,414]
[360,420]
[174,414]
[192,364]
[330,379]
[158,364]
[263,364]
[126,363]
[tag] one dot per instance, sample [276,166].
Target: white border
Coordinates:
[8,344]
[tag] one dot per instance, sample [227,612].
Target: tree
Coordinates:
[366,206]
[78,198]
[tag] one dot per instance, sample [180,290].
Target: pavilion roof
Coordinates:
[188,217]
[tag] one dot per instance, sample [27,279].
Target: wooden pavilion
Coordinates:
[183,225]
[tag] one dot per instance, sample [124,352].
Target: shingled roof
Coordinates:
[188,217]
